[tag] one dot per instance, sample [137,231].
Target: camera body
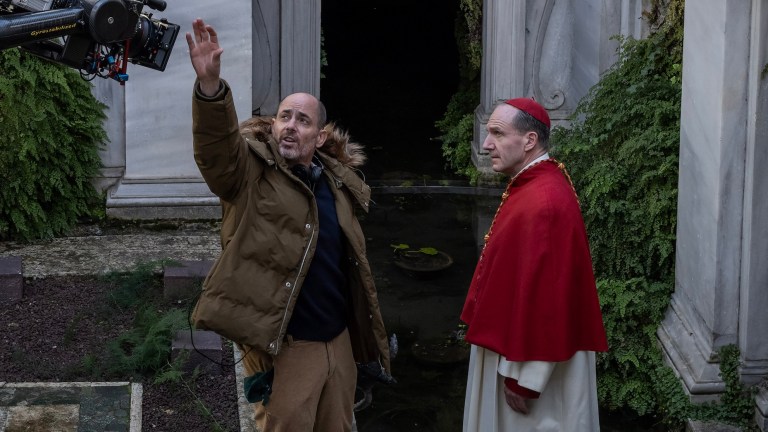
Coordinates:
[97,37]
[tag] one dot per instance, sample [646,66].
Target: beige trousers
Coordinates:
[313,388]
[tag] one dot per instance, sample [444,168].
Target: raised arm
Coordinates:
[205,54]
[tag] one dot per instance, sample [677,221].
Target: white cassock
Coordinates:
[568,401]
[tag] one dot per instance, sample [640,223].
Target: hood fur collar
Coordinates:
[338,145]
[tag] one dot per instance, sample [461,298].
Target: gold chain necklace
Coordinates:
[505,195]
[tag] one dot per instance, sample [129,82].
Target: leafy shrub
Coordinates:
[736,405]
[632,310]
[624,160]
[457,127]
[51,131]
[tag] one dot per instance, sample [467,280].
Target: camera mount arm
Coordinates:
[28,27]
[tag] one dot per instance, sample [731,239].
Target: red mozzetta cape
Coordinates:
[533,294]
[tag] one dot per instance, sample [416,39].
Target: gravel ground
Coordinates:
[43,341]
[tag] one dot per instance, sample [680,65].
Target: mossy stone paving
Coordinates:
[65,407]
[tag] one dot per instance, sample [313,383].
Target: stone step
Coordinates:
[11,280]
[203,349]
[182,280]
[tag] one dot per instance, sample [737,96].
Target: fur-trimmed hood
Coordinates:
[338,145]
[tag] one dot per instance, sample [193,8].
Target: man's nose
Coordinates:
[487,143]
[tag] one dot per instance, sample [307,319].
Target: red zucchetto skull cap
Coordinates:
[531,107]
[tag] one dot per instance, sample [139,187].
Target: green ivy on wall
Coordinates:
[50,133]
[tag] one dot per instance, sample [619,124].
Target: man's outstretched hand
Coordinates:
[205,54]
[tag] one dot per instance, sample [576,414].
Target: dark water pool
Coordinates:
[422,310]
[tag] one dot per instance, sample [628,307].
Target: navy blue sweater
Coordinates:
[320,313]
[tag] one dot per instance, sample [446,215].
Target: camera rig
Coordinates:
[97,37]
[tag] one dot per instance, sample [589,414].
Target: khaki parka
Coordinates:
[269,232]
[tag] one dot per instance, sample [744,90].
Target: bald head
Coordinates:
[320,115]
[298,127]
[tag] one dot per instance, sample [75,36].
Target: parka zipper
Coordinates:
[293,290]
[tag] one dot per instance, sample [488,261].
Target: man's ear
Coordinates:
[321,137]
[532,141]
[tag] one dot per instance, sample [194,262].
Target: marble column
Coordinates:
[286,51]
[721,270]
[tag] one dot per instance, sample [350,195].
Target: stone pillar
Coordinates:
[265,61]
[112,154]
[286,51]
[553,51]
[300,47]
[753,319]
[721,273]
[501,75]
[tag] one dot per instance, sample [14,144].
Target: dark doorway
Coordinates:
[392,68]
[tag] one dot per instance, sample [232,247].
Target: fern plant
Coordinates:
[146,347]
[50,134]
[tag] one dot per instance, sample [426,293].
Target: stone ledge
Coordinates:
[11,280]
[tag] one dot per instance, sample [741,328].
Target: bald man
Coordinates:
[292,286]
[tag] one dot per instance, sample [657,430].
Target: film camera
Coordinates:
[97,37]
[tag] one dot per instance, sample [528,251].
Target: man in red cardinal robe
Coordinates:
[532,310]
